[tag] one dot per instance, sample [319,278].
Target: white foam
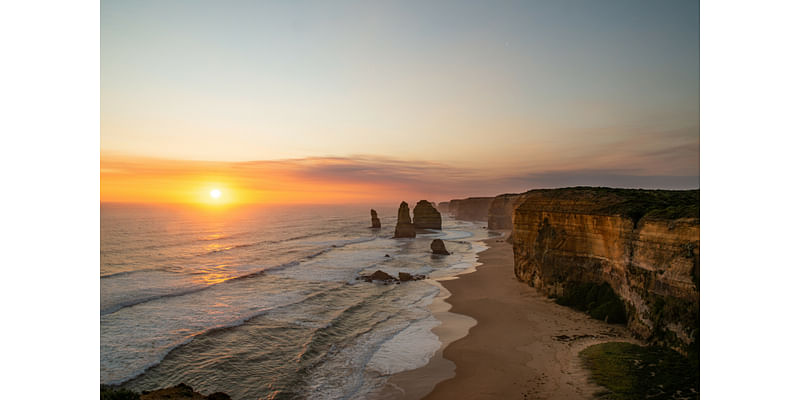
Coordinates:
[454,235]
[411,348]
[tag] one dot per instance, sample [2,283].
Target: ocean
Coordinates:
[263,302]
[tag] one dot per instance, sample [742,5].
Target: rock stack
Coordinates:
[404,228]
[376,222]
[437,246]
[426,217]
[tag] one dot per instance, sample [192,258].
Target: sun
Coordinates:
[215,193]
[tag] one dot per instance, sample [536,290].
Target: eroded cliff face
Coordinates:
[648,253]
[470,209]
[501,210]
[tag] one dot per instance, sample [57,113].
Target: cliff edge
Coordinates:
[644,244]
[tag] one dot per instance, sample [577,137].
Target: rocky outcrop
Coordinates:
[645,244]
[376,222]
[470,209]
[426,216]
[404,228]
[437,246]
[380,276]
[443,206]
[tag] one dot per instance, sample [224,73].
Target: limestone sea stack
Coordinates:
[437,246]
[376,222]
[404,228]
[426,216]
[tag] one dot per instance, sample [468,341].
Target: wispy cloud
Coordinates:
[349,179]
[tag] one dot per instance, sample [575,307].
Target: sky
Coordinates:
[343,101]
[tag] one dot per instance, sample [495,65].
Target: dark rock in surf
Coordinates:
[437,246]
[377,276]
[376,222]
[380,276]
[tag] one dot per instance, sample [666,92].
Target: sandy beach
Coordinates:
[523,346]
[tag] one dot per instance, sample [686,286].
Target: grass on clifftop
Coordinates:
[630,372]
[655,204]
[638,203]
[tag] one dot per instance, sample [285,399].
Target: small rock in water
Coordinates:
[380,276]
[437,246]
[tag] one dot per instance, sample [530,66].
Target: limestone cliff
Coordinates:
[501,210]
[404,228]
[470,209]
[443,206]
[426,216]
[644,243]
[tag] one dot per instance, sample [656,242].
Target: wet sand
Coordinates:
[524,346]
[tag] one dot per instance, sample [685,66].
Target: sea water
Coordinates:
[264,302]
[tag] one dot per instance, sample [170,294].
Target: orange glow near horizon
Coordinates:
[126,179]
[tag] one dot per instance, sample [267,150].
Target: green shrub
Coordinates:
[628,371]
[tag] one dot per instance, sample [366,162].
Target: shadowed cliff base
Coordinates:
[599,301]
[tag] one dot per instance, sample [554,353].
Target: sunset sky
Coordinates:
[343,101]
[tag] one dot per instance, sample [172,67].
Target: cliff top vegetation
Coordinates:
[635,204]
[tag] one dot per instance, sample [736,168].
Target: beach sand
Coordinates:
[524,346]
